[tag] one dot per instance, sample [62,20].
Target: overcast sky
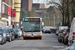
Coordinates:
[45,2]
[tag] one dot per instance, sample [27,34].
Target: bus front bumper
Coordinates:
[32,35]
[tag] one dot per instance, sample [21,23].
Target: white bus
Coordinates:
[32,27]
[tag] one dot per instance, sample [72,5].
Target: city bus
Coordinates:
[32,27]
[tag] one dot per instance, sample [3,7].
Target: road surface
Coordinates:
[48,42]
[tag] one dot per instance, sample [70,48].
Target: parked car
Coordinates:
[47,30]
[43,30]
[2,37]
[66,35]
[72,47]
[57,32]
[10,30]
[71,38]
[13,34]
[16,33]
[19,32]
[60,35]
[8,35]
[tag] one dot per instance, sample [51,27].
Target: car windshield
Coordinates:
[47,29]
[18,29]
[14,30]
[1,31]
[32,26]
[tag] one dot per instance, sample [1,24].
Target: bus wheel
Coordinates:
[24,38]
[40,38]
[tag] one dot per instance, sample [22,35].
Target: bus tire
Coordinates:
[24,38]
[40,38]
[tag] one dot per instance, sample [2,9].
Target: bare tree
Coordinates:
[33,13]
[67,8]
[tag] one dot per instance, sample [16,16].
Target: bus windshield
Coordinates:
[32,26]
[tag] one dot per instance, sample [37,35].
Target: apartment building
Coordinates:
[5,18]
[26,5]
[16,8]
[38,5]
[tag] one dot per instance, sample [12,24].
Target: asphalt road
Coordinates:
[48,42]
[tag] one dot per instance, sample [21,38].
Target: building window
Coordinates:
[4,8]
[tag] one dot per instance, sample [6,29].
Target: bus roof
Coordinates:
[33,17]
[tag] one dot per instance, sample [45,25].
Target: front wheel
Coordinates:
[62,40]
[59,40]
[2,43]
[13,38]
[10,40]
[40,38]
[50,33]
[69,43]
[24,38]
[65,41]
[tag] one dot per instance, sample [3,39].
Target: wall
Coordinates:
[30,5]
[42,5]
[24,4]
[17,6]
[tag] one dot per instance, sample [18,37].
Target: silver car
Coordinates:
[19,32]
[2,37]
[72,47]
[8,35]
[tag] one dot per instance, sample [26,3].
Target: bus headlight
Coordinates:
[40,33]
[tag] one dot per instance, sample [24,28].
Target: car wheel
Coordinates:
[4,41]
[59,40]
[13,37]
[10,40]
[1,43]
[65,41]
[62,40]
[69,43]
[18,36]
[49,33]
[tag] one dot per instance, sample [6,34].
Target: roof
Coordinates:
[32,17]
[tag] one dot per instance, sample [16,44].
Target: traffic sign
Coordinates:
[12,18]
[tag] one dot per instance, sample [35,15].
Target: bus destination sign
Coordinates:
[31,19]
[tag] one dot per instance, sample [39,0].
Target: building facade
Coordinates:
[16,5]
[5,18]
[26,5]
[38,5]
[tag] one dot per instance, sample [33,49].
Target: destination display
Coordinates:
[31,19]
